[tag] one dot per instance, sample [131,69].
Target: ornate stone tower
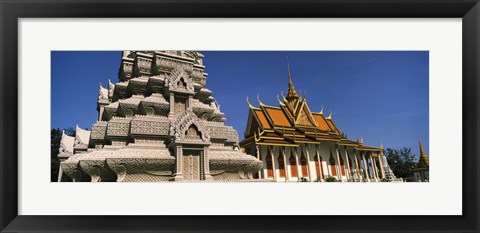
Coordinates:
[160,123]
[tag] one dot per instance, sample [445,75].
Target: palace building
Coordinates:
[159,122]
[421,169]
[296,144]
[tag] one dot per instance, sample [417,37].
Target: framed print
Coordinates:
[194,116]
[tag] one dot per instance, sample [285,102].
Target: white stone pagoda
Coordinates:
[158,123]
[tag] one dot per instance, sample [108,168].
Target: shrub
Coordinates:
[303,179]
[331,179]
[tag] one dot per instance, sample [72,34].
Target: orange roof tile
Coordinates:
[262,118]
[332,126]
[321,122]
[278,117]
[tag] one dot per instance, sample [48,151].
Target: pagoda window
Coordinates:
[268,160]
[342,166]
[293,165]
[332,166]
[281,165]
[303,163]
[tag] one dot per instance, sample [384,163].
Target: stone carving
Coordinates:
[111,89]
[138,138]
[102,93]
[99,130]
[117,128]
[179,79]
[184,121]
[192,133]
[150,127]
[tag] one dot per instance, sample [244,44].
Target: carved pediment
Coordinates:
[189,126]
[179,80]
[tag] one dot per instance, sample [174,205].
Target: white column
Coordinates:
[347,172]
[257,151]
[338,164]
[264,160]
[286,162]
[309,172]
[365,167]
[357,168]
[372,164]
[381,164]
[274,171]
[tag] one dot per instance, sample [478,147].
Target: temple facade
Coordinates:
[296,144]
[421,169]
[159,122]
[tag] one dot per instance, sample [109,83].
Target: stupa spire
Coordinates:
[292,94]
[423,161]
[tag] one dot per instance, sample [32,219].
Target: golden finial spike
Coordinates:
[381,146]
[321,111]
[282,96]
[289,75]
[280,102]
[259,101]
[330,116]
[422,151]
[292,94]
[249,104]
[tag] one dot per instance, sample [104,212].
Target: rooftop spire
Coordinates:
[423,161]
[292,94]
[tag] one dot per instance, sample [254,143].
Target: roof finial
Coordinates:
[321,111]
[292,94]
[423,161]
[330,116]
[422,151]
[249,104]
[259,101]
[280,102]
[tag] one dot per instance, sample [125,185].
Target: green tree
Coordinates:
[400,161]
[55,137]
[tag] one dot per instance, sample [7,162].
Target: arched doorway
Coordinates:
[333,168]
[293,165]
[281,165]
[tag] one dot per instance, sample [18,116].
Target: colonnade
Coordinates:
[317,162]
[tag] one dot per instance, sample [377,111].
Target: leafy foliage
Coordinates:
[401,161]
[55,137]
[331,179]
[303,179]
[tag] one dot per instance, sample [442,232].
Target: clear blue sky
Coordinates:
[380,96]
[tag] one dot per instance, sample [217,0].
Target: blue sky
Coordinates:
[380,96]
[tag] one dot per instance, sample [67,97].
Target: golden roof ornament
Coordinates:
[423,161]
[259,101]
[292,94]
[249,104]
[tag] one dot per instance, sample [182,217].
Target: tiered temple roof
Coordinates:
[292,123]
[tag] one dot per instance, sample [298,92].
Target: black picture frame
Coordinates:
[11,11]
